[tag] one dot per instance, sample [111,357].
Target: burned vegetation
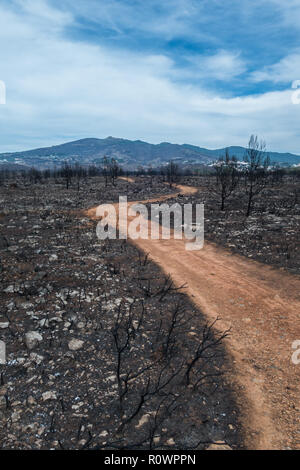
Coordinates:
[103,351]
[269,234]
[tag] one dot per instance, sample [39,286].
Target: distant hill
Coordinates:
[129,153]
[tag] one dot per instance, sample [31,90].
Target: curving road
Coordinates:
[262,306]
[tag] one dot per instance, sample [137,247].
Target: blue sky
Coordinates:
[205,72]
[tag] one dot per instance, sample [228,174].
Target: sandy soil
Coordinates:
[261,305]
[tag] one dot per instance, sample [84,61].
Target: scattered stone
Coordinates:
[15,417]
[170,442]
[31,401]
[36,358]
[2,402]
[144,419]
[32,338]
[10,289]
[75,344]
[49,396]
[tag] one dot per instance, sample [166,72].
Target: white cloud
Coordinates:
[166,19]
[223,65]
[58,90]
[41,10]
[289,11]
[284,71]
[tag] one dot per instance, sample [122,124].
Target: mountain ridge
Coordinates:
[129,153]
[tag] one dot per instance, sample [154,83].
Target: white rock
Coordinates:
[9,289]
[15,416]
[36,358]
[4,325]
[32,338]
[75,344]
[31,401]
[49,396]
[144,419]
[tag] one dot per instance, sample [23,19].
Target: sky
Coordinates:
[203,72]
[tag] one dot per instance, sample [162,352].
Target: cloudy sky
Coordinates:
[205,72]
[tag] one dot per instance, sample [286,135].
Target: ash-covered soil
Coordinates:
[102,351]
[270,234]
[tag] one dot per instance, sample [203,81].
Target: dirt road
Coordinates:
[262,307]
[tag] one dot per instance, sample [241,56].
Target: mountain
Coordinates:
[128,153]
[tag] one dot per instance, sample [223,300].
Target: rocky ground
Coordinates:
[270,235]
[102,351]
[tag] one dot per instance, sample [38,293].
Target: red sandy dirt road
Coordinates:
[261,305]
